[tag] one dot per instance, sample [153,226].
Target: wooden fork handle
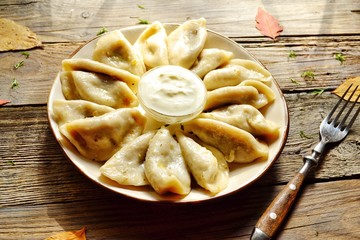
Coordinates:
[274,215]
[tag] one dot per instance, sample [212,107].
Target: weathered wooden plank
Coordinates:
[313,54]
[35,77]
[59,20]
[29,151]
[316,54]
[232,218]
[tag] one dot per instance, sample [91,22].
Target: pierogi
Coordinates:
[186,42]
[101,117]
[115,50]
[151,46]
[99,138]
[127,165]
[165,167]
[68,110]
[236,144]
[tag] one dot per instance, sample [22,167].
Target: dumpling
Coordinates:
[222,77]
[99,138]
[250,92]
[209,172]
[235,72]
[115,50]
[165,167]
[151,46]
[231,95]
[237,145]
[98,88]
[186,42]
[209,59]
[254,71]
[266,94]
[245,117]
[68,110]
[87,65]
[127,165]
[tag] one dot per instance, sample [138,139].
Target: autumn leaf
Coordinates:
[267,24]
[3,102]
[70,235]
[340,90]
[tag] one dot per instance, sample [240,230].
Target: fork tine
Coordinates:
[355,115]
[336,105]
[343,108]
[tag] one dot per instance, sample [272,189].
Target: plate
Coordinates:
[240,176]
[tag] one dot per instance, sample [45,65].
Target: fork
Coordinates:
[332,129]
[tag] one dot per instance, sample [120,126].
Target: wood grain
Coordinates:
[73,20]
[315,55]
[273,217]
[28,136]
[121,218]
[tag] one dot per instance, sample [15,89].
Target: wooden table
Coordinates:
[42,193]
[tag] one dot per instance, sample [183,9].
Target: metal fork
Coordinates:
[332,129]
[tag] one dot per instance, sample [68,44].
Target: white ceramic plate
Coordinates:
[240,176]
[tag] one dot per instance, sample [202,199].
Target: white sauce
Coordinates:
[171,94]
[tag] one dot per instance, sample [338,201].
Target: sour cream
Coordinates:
[171,94]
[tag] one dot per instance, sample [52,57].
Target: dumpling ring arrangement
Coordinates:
[97,111]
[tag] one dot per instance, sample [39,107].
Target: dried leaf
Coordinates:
[340,90]
[14,36]
[3,102]
[71,235]
[267,24]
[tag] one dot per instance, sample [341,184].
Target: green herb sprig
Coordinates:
[292,54]
[308,75]
[26,54]
[12,163]
[318,92]
[340,57]
[101,31]
[293,80]
[14,83]
[143,21]
[19,65]
[303,135]
[141,6]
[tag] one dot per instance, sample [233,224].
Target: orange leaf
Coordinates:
[340,90]
[3,102]
[71,235]
[267,24]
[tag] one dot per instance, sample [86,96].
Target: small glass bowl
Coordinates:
[171,94]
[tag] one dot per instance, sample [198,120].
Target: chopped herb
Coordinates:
[101,31]
[143,21]
[26,54]
[182,127]
[308,75]
[318,92]
[292,54]
[11,162]
[19,64]
[303,135]
[294,81]
[141,6]
[339,57]
[14,83]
